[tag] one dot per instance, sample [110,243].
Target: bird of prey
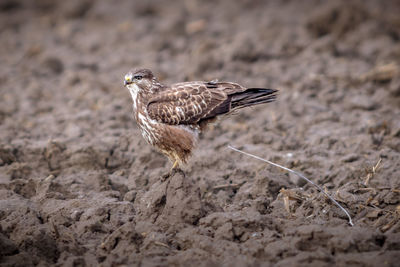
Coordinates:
[171,117]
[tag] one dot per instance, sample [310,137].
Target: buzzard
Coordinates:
[171,117]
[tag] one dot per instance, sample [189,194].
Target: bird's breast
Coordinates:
[151,129]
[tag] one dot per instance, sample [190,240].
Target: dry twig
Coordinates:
[290,195]
[158,243]
[372,173]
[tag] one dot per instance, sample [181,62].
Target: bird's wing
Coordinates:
[186,103]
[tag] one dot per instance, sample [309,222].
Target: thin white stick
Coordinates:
[300,175]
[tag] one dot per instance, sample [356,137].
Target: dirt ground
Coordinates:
[80,187]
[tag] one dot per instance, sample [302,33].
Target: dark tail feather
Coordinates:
[252,96]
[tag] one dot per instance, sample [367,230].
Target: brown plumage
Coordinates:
[171,117]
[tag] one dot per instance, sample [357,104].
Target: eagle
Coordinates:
[172,117]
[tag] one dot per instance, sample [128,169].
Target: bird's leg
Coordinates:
[171,171]
[175,165]
[175,168]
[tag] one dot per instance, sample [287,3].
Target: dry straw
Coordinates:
[300,175]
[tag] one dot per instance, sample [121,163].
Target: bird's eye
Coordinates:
[138,77]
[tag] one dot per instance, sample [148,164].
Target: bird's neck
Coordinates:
[134,91]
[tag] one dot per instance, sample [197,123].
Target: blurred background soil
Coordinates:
[80,187]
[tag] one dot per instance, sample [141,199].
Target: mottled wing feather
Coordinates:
[185,103]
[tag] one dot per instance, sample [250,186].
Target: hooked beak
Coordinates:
[128,79]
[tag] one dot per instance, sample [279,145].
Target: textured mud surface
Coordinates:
[79,186]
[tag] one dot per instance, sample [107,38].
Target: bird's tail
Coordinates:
[251,97]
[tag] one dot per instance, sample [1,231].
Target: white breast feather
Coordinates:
[134,89]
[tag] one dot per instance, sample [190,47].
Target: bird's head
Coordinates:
[139,80]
